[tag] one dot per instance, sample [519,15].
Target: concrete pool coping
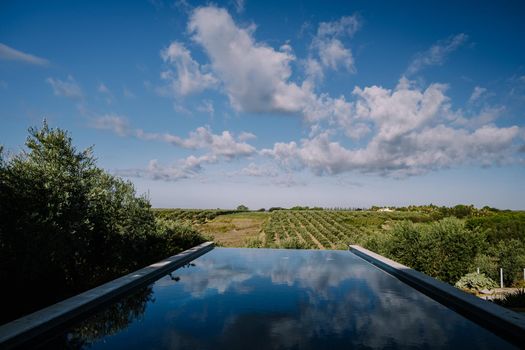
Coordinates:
[28,327]
[504,322]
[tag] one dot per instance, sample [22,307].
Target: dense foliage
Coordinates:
[500,226]
[67,225]
[442,249]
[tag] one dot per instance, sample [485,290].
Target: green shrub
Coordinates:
[254,243]
[476,281]
[451,249]
[406,245]
[378,242]
[292,243]
[175,237]
[487,264]
[443,249]
[510,255]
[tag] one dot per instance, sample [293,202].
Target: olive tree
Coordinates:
[65,223]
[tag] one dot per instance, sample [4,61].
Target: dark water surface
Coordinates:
[278,299]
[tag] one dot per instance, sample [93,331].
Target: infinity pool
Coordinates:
[277,299]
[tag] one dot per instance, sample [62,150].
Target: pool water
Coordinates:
[277,299]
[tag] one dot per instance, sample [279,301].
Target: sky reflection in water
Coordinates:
[286,299]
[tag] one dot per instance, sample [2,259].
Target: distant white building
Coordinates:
[385,209]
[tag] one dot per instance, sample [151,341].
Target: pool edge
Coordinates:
[506,323]
[27,327]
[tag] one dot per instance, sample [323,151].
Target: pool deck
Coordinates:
[28,327]
[504,322]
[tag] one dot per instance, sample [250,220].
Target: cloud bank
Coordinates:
[406,130]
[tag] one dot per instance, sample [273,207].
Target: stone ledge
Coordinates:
[506,323]
[28,327]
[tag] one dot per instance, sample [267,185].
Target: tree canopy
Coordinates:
[67,225]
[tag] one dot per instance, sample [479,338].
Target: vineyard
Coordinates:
[326,229]
[191,216]
[310,229]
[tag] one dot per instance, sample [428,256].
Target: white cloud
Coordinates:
[437,53]
[415,153]
[68,88]
[188,76]
[404,109]
[476,94]
[224,144]
[411,136]
[313,69]
[485,116]
[119,125]
[245,136]
[329,48]
[345,26]
[10,54]
[258,171]
[186,168]
[333,54]
[255,76]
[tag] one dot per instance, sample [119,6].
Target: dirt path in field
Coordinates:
[234,229]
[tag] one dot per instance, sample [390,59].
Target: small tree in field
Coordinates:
[242,207]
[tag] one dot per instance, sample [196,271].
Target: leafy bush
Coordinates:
[175,237]
[292,243]
[451,249]
[406,245]
[476,281]
[487,264]
[510,255]
[443,249]
[254,243]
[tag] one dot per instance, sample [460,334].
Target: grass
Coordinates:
[234,230]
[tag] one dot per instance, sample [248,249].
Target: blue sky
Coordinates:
[214,104]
